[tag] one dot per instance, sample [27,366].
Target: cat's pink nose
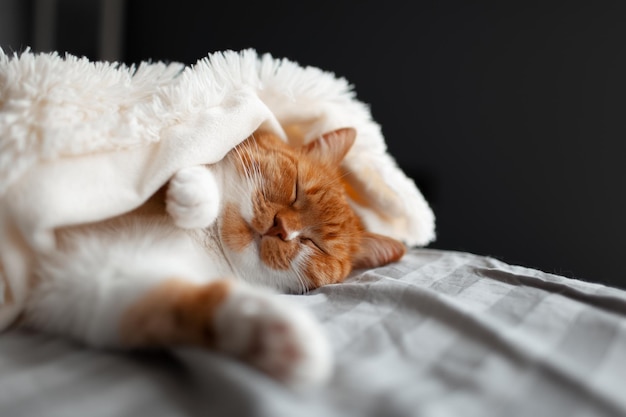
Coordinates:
[277,229]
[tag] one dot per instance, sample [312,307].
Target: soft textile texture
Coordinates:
[83,141]
[437,334]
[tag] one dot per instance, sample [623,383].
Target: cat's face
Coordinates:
[286,221]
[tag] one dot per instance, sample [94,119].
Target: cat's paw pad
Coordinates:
[281,340]
[192,198]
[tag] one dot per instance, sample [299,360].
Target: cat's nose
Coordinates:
[277,229]
[283,229]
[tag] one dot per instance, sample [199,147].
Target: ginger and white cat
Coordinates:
[268,215]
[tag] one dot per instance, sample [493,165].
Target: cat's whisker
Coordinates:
[259,176]
[238,150]
[241,187]
[253,177]
[252,169]
[301,279]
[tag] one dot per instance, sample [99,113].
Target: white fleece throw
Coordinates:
[84,141]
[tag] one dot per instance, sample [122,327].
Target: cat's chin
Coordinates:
[248,265]
[264,259]
[278,254]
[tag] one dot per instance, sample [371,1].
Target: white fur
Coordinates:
[248,266]
[274,336]
[85,289]
[193,198]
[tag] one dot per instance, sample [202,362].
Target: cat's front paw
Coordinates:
[284,341]
[192,198]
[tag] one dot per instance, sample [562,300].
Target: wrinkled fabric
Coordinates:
[438,334]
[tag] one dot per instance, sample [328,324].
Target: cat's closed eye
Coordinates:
[310,243]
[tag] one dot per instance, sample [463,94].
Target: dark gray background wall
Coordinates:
[509,115]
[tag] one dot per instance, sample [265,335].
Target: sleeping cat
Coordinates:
[268,214]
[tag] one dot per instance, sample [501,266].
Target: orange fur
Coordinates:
[175,312]
[300,205]
[235,233]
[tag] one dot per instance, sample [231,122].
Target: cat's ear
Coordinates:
[377,250]
[332,146]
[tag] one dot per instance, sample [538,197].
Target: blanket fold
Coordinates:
[84,141]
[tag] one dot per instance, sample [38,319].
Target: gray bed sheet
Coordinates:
[438,334]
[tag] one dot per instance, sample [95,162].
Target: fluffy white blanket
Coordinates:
[83,141]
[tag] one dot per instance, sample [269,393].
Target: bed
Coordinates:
[439,333]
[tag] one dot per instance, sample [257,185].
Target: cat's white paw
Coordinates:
[192,198]
[284,341]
